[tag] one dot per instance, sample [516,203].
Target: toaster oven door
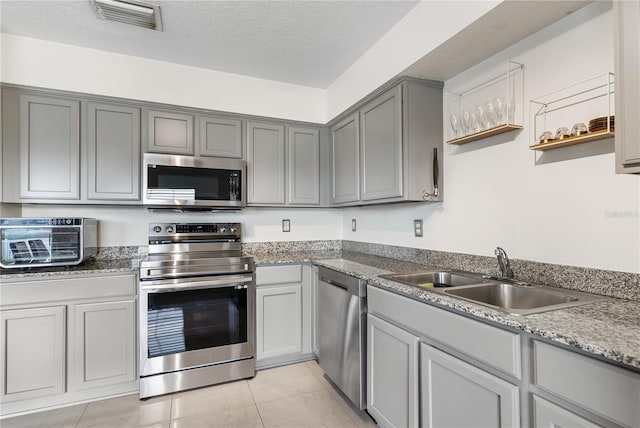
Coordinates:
[40,246]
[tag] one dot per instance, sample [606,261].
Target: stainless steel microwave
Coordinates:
[39,242]
[173,181]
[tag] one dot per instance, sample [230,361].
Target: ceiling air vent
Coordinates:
[130,12]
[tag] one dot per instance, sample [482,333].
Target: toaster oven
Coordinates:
[39,242]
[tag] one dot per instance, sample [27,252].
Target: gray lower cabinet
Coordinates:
[170,132]
[303,152]
[598,389]
[547,414]
[390,149]
[49,134]
[627,64]
[283,314]
[265,163]
[392,374]
[220,136]
[457,394]
[33,357]
[315,284]
[104,343]
[67,340]
[113,152]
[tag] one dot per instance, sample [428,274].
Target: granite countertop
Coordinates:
[609,329]
[89,267]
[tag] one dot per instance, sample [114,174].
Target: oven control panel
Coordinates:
[175,231]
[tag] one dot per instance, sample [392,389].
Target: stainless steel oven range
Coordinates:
[197,306]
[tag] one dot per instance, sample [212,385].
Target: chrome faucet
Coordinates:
[503,262]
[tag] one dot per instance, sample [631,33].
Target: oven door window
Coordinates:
[188,320]
[209,183]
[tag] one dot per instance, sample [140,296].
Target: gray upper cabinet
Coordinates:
[390,149]
[169,132]
[113,152]
[49,138]
[345,155]
[627,64]
[220,136]
[304,166]
[381,146]
[265,163]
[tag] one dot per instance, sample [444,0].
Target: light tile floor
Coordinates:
[294,396]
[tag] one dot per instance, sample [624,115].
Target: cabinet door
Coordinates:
[265,163]
[456,394]
[49,148]
[345,163]
[392,374]
[546,414]
[220,136]
[169,132]
[304,166]
[279,321]
[381,146]
[33,353]
[104,344]
[315,283]
[627,63]
[113,152]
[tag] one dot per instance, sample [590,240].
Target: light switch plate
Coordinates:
[417,228]
[353,224]
[286,225]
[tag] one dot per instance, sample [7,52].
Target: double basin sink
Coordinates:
[513,297]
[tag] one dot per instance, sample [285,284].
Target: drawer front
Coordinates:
[52,290]
[267,275]
[605,389]
[498,348]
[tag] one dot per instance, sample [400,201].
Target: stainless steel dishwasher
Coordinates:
[342,330]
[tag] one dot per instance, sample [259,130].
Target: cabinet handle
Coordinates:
[436,174]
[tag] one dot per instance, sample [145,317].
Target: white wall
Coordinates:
[121,226]
[423,29]
[566,207]
[34,62]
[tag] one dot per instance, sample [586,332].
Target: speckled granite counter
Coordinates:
[90,267]
[608,329]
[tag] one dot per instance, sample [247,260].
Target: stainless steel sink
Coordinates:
[523,300]
[516,298]
[437,279]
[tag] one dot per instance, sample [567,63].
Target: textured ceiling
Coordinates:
[309,43]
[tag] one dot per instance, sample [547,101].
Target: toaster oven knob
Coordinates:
[157,229]
[169,229]
[223,230]
[233,230]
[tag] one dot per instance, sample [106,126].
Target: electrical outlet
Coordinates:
[286,225]
[353,224]
[417,228]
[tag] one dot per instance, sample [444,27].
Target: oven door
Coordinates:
[192,322]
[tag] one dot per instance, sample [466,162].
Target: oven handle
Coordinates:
[167,285]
